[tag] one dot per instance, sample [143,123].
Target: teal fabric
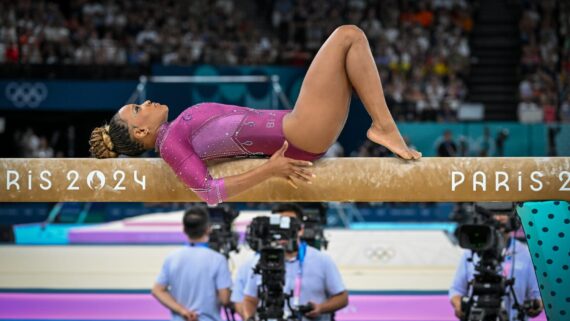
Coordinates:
[547,228]
[43,234]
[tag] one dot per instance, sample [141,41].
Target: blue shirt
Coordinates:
[193,276]
[526,286]
[242,275]
[320,279]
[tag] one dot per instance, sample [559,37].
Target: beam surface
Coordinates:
[338,179]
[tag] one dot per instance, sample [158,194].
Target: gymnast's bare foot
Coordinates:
[391,139]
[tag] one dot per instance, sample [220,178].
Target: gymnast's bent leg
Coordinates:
[343,62]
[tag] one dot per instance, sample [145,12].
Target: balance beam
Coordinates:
[338,179]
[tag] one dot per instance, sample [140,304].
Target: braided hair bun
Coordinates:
[101,144]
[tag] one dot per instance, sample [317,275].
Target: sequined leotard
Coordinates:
[209,131]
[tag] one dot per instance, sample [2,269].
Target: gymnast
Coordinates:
[292,138]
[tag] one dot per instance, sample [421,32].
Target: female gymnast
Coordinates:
[293,138]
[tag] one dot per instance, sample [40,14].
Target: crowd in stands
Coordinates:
[128,32]
[421,47]
[423,56]
[545,61]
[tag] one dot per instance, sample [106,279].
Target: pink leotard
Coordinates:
[210,131]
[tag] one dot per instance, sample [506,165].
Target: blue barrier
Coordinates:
[22,213]
[64,95]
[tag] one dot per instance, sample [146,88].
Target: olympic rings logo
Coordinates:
[380,253]
[26,94]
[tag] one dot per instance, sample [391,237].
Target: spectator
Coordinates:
[486,144]
[529,112]
[446,147]
[43,150]
[464,148]
[335,150]
[502,137]
[548,108]
[565,110]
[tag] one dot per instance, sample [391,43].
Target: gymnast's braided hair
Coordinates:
[113,139]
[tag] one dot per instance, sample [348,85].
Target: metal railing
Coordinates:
[277,95]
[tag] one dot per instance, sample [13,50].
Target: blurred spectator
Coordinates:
[32,146]
[529,112]
[29,143]
[464,146]
[486,144]
[502,137]
[525,88]
[548,109]
[336,150]
[371,149]
[553,131]
[445,146]
[43,150]
[565,110]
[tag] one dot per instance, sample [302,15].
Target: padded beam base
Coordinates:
[338,179]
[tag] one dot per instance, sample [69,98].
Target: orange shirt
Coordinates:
[425,18]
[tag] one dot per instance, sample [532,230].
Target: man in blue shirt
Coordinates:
[517,264]
[242,275]
[320,281]
[194,281]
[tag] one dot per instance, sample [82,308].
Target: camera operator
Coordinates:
[517,265]
[194,281]
[310,275]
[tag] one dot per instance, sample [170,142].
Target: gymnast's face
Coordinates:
[144,120]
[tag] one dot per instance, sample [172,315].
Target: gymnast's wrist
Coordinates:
[267,170]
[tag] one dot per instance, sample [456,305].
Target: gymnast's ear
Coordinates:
[140,132]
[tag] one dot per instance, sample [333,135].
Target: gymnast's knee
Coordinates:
[350,33]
